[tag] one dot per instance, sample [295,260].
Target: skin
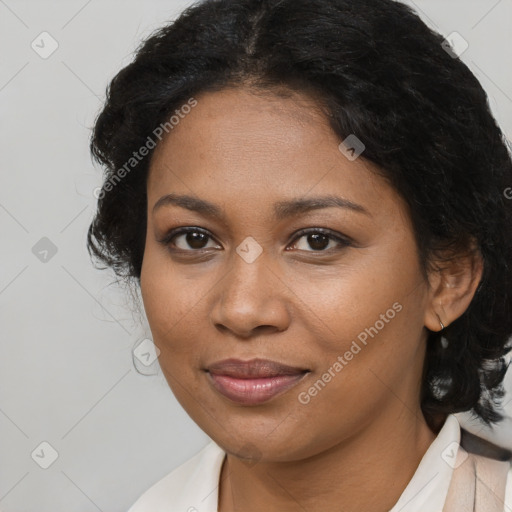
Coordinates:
[357,443]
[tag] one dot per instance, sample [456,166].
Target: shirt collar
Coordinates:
[197,487]
[428,488]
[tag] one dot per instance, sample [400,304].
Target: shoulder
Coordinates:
[495,464]
[193,485]
[508,492]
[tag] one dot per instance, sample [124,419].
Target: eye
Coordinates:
[320,240]
[193,239]
[189,239]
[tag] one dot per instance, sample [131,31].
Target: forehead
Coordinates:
[242,123]
[238,142]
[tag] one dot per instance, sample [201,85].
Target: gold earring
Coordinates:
[441,323]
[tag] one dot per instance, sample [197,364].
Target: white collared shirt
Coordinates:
[194,486]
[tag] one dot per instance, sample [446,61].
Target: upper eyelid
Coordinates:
[173,233]
[326,231]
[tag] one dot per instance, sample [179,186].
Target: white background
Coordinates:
[66,370]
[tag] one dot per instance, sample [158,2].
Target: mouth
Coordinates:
[255,381]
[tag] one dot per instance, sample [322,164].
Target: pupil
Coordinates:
[318,241]
[196,240]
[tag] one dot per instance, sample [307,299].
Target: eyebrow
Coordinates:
[282,209]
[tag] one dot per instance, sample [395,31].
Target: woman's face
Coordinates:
[345,301]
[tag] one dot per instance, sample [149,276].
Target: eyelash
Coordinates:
[343,241]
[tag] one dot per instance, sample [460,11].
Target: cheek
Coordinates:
[169,304]
[344,302]
[175,301]
[368,321]
[166,299]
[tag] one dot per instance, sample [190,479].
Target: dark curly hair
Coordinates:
[377,71]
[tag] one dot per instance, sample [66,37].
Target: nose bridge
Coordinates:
[251,294]
[249,280]
[249,269]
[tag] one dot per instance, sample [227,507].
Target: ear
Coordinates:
[452,287]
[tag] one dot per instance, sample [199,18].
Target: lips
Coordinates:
[254,368]
[255,381]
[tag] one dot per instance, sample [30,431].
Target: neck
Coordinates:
[366,472]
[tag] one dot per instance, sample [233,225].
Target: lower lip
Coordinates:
[253,391]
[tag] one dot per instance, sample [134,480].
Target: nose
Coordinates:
[252,299]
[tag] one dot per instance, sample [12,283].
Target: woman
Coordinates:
[312,199]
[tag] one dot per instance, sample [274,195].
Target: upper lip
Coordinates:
[253,368]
